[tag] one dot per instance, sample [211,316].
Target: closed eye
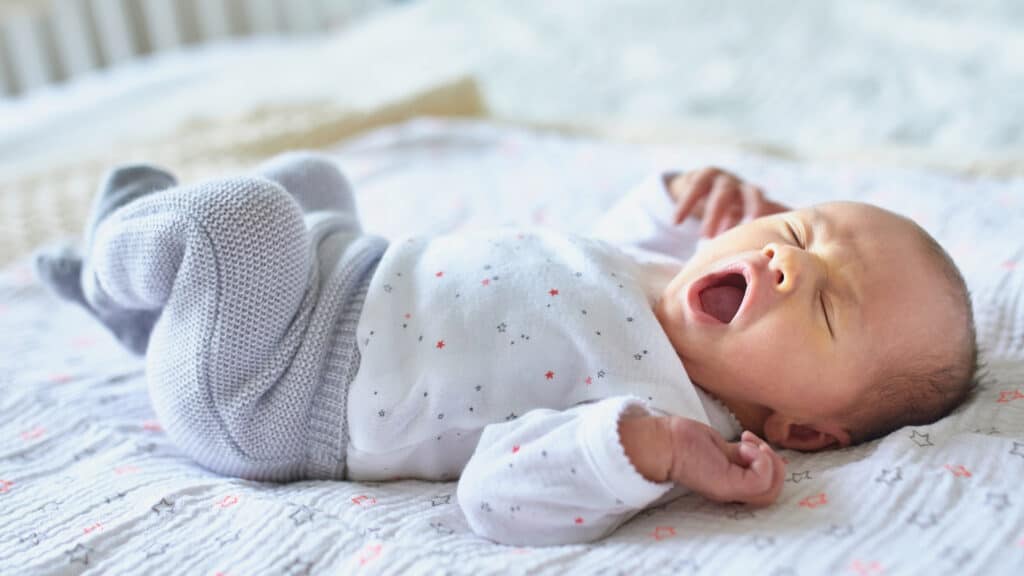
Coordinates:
[796,237]
[824,309]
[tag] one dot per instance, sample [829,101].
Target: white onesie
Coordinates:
[508,357]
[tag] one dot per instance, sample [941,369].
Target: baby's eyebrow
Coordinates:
[822,225]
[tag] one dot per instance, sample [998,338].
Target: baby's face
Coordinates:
[786,317]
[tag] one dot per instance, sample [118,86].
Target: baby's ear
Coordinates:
[783,431]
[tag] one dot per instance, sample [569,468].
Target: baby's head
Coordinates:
[826,326]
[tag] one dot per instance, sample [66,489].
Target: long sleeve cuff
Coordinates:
[599,437]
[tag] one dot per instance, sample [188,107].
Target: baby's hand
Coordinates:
[718,198]
[747,471]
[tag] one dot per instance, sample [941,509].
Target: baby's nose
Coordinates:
[781,266]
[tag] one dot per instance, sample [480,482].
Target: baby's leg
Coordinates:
[230,264]
[60,268]
[313,179]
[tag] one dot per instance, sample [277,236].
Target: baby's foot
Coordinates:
[313,179]
[60,267]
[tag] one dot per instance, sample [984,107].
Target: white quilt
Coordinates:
[89,483]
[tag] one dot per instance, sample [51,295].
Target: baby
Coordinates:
[568,382]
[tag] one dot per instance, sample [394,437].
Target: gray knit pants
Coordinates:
[259,283]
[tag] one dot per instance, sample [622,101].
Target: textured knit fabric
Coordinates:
[509,357]
[249,361]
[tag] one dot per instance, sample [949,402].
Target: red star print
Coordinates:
[549,375]
[370,552]
[358,500]
[589,380]
[959,471]
[1009,396]
[121,470]
[60,378]
[34,433]
[486,281]
[84,342]
[95,526]
[407,315]
[440,344]
[814,501]
[662,532]
[865,568]
[579,520]
[439,273]
[1010,264]
[228,501]
[151,425]
[5,485]
[553,292]
[515,448]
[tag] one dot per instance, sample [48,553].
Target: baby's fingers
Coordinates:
[695,186]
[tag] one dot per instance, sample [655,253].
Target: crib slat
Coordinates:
[301,16]
[261,16]
[27,51]
[161,18]
[213,19]
[73,38]
[115,34]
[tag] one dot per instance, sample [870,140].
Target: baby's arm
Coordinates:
[556,477]
[671,212]
[694,455]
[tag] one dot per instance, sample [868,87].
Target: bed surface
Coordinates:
[89,483]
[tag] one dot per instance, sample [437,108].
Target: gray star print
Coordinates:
[921,440]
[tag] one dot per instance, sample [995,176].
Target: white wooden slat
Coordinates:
[27,51]
[261,16]
[74,40]
[6,82]
[214,19]
[161,18]
[117,43]
[301,16]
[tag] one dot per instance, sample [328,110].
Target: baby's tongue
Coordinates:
[722,302]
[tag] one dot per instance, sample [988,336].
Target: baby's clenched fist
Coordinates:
[747,471]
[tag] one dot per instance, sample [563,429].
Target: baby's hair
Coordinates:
[923,390]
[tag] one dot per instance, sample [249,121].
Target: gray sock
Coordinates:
[60,267]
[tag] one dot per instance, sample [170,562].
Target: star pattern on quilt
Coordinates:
[663,532]
[302,514]
[839,531]
[440,500]
[998,501]
[441,529]
[115,497]
[798,477]
[164,506]
[889,476]
[956,557]
[814,501]
[921,440]
[923,520]
[79,554]
[298,567]
[225,539]
[1018,449]
[30,537]
[740,513]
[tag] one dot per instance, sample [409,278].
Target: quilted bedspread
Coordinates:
[89,483]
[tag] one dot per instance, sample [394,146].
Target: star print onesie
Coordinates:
[508,357]
[284,343]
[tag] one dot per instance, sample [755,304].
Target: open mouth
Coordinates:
[722,297]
